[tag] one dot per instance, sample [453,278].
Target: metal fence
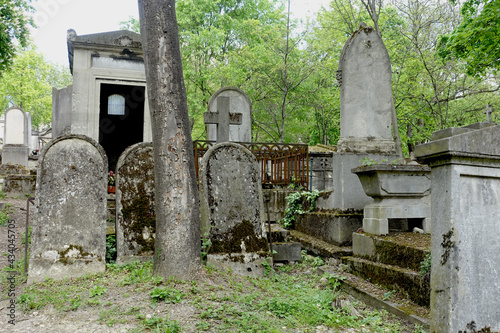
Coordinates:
[281,164]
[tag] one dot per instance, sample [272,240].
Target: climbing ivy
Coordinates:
[295,202]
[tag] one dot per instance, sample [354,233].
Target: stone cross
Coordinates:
[488,111]
[223,118]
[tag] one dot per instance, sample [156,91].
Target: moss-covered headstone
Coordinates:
[135,213]
[232,205]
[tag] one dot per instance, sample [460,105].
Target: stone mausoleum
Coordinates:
[108,99]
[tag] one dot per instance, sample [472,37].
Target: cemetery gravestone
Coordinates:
[222,119]
[232,208]
[366,103]
[16,137]
[239,103]
[366,99]
[465,209]
[69,227]
[135,213]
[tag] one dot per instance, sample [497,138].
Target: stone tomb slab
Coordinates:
[135,204]
[231,202]
[465,209]
[69,226]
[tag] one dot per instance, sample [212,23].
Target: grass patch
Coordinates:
[131,295]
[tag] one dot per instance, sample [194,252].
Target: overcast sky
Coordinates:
[55,17]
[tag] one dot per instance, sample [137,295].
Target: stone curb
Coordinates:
[372,300]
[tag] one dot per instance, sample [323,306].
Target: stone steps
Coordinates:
[403,249]
[379,297]
[403,280]
[392,261]
[320,247]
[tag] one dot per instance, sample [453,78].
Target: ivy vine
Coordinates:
[295,206]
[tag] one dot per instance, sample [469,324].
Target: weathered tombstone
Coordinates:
[366,103]
[135,213]
[366,99]
[465,212]
[232,207]
[239,103]
[16,137]
[69,227]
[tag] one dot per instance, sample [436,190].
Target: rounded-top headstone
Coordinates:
[238,103]
[231,199]
[69,228]
[366,101]
[16,127]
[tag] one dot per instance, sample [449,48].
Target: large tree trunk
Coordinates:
[178,245]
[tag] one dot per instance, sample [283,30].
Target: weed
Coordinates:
[388,295]
[205,246]
[4,215]
[425,265]
[97,291]
[110,249]
[162,325]
[169,295]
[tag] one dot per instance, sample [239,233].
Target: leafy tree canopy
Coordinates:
[477,39]
[28,83]
[14,23]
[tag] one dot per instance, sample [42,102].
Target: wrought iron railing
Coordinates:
[281,164]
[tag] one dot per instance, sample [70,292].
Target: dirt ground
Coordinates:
[89,319]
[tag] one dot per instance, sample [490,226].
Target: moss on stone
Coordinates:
[230,242]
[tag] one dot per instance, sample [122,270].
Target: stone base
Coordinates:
[20,185]
[287,252]
[348,192]
[366,146]
[41,269]
[333,227]
[377,215]
[245,264]
[15,154]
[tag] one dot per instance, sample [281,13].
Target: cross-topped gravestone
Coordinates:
[223,118]
[488,111]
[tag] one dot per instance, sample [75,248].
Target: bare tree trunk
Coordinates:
[178,243]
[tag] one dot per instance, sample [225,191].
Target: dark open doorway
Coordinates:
[121,119]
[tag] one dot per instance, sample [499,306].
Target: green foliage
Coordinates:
[15,21]
[477,39]
[295,299]
[110,249]
[167,294]
[28,84]
[4,217]
[97,291]
[205,246]
[140,273]
[295,202]
[425,265]
[162,324]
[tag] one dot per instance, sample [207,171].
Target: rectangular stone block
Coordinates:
[15,155]
[333,227]
[465,279]
[287,252]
